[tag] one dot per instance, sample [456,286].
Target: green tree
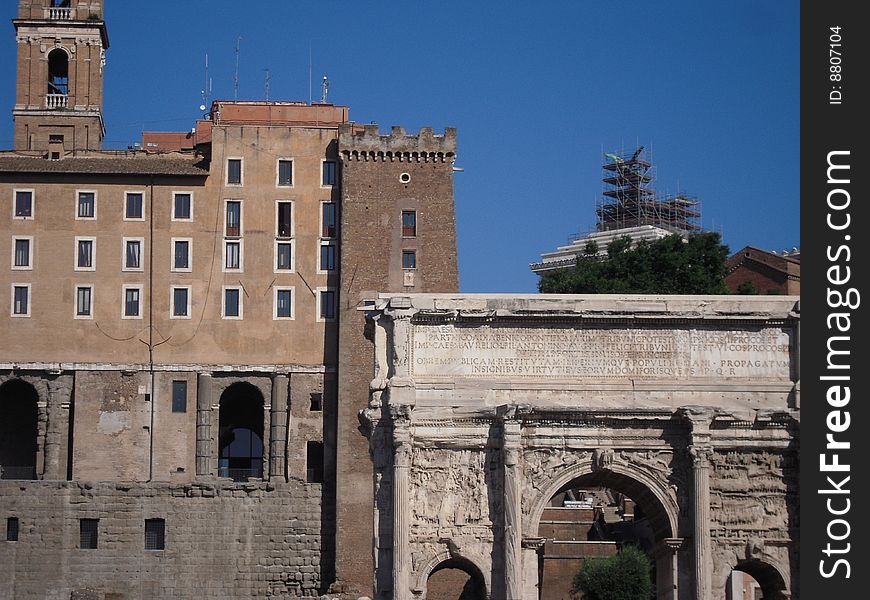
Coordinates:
[747,288]
[670,265]
[625,576]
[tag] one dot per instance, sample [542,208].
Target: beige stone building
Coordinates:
[169,355]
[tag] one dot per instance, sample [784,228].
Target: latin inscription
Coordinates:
[498,351]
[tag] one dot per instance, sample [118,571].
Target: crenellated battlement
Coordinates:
[366,143]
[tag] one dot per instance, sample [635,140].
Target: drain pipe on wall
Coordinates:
[151,327]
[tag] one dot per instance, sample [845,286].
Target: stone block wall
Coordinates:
[223,540]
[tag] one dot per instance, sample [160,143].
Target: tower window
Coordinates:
[155,534]
[409,223]
[314,461]
[409,259]
[12,529]
[58,72]
[179,396]
[234,171]
[88,533]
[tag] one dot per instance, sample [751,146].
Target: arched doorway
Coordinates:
[241,432]
[19,430]
[593,516]
[755,580]
[456,579]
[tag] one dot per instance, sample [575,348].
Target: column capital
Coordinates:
[701,455]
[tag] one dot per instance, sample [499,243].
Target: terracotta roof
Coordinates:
[111,165]
[778,262]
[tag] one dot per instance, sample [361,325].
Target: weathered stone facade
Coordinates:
[484,408]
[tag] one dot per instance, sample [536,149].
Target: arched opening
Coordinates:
[241,432]
[58,72]
[19,430]
[60,3]
[456,579]
[593,516]
[755,580]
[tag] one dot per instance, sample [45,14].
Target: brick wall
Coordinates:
[374,194]
[223,540]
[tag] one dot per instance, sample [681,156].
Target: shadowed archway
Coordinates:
[455,579]
[19,430]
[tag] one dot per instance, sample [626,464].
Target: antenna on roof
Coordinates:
[206,89]
[267,81]
[324,89]
[236,78]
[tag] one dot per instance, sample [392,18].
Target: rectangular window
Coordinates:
[234,171]
[327,305]
[132,302]
[23,204]
[314,461]
[409,223]
[409,259]
[183,206]
[133,206]
[84,295]
[179,396]
[285,172]
[233,256]
[155,534]
[12,529]
[283,303]
[284,256]
[285,219]
[232,303]
[85,254]
[21,257]
[316,402]
[329,169]
[88,533]
[181,255]
[234,218]
[21,300]
[132,255]
[180,302]
[87,205]
[328,227]
[327,257]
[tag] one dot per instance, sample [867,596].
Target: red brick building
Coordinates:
[768,272]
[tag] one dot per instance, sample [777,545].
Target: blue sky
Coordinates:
[536,90]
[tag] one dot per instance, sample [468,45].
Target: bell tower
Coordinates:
[59,89]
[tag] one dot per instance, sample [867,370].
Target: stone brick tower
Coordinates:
[398,234]
[59,89]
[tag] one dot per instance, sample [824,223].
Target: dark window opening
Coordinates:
[241,432]
[55,156]
[327,304]
[285,256]
[329,220]
[234,255]
[87,205]
[83,302]
[179,396]
[131,302]
[21,300]
[88,533]
[285,218]
[60,3]
[133,254]
[58,72]
[182,255]
[232,303]
[23,204]
[234,218]
[327,257]
[155,534]
[285,172]
[314,460]
[22,253]
[134,206]
[182,206]
[180,302]
[316,402]
[409,259]
[19,418]
[409,223]
[329,169]
[234,171]
[284,304]
[12,529]
[55,139]
[86,254]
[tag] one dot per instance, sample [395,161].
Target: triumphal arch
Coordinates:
[501,426]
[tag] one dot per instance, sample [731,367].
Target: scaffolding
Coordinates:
[629,200]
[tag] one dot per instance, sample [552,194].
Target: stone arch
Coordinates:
[241,431]
[468,562]
[58,71]
[649,489]
[769,576]
[20,431]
